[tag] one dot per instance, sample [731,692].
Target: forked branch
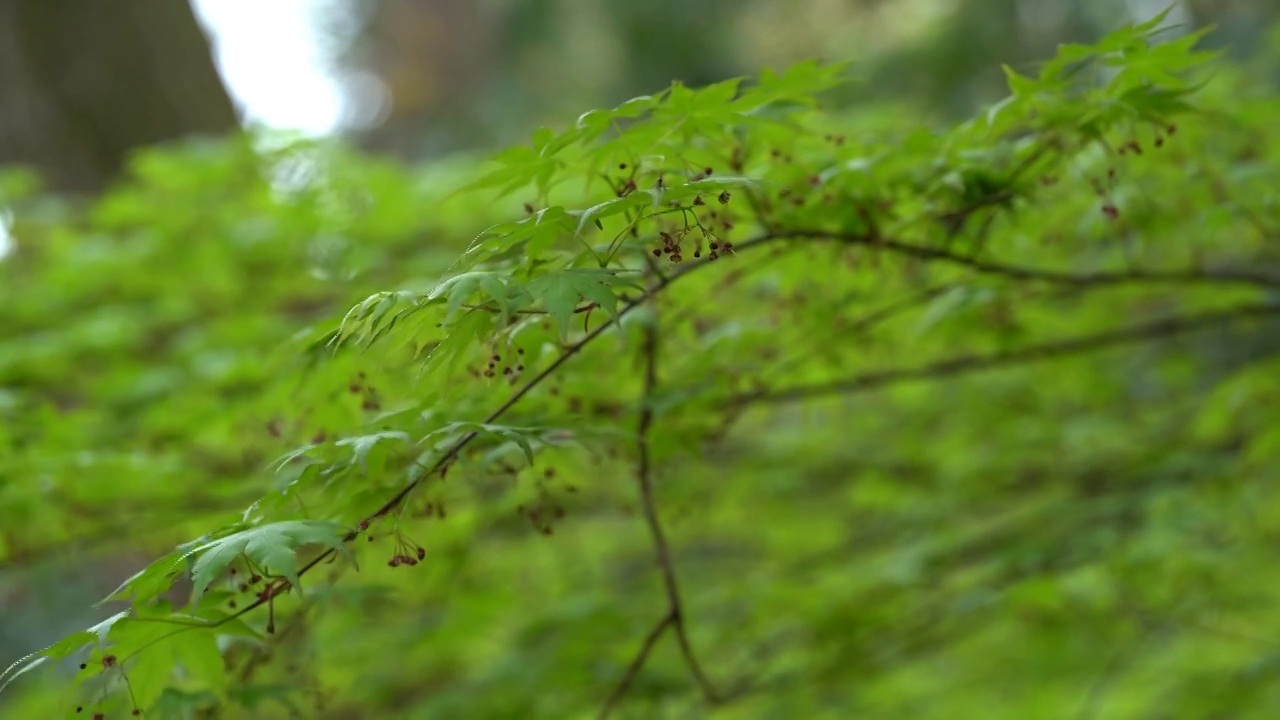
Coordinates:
[850,385]
[673,618]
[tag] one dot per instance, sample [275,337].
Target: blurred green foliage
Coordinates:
[249,342]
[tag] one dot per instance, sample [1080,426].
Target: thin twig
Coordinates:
[866,322]
[633,668]
[1017,272]
[644,477]
[1033,353]
[674,616]
[576,311]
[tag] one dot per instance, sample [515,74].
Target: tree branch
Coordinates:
[1033,353]
[674,616]
[1016,272]
[633,668]
[687,268]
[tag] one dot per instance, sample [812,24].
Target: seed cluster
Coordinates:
[109,663]
[546,510]
[1130,147]
[369,402]
[405,551]
[494,367]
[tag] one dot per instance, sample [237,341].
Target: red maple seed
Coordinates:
[422,554]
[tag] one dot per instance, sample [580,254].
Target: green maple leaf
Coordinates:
[274,546]
[560,291]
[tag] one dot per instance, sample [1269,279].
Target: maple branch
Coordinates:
[674,616]
[862,324]
[1032,353]
[576,311]
[633,668]
[1017,272]
[683,270]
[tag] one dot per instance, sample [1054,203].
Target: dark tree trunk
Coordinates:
[84,82]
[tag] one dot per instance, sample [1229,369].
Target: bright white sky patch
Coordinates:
[272,64]
[6,242]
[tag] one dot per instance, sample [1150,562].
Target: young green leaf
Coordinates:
[274,546]
[562,291]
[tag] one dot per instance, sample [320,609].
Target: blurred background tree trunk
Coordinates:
[84,82]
